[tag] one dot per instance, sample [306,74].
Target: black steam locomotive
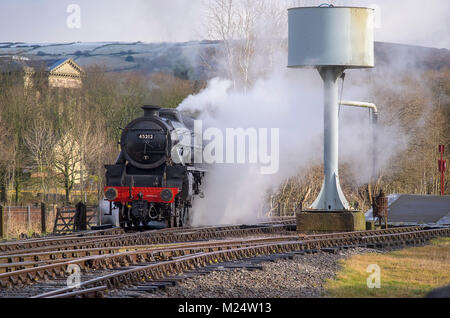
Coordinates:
[154,179]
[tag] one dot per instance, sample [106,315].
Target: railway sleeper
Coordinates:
[331,250]
[310,248]
[144,288]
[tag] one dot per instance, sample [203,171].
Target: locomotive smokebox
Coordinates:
[151,110]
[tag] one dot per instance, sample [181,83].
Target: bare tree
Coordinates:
[40,141]
[8,154]
[90,140]
[66,161]
[299,190]
[248,30]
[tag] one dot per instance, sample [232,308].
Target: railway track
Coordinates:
[35,257]
[33,254]
[54,241]
[141,238]
[147,265]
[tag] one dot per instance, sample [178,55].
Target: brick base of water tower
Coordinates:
[326,222]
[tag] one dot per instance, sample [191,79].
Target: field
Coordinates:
[407,273]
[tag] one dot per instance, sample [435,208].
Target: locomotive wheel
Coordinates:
[187,217]
[175,221]
[172,222]
[121,217]
[184,217]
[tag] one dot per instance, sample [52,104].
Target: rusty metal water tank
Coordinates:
[331,36]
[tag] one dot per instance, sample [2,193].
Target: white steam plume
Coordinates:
[292,101]
[235,192]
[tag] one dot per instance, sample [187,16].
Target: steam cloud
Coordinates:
[234,193]
[292,101]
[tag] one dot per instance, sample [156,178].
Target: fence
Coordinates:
[18,220]
[284,209]
[80,218]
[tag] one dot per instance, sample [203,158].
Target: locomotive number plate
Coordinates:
[145,136]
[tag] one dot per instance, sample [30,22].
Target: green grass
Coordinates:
[411,272]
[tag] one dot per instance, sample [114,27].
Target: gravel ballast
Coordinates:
[302,277]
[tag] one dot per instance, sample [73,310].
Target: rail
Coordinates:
[170,267]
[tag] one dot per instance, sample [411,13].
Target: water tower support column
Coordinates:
[331,197]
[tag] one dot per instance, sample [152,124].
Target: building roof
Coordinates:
[11,64]
[417,209]
[52,64]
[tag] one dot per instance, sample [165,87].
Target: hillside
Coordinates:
[184,58]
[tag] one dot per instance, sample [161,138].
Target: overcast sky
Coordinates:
[417,22]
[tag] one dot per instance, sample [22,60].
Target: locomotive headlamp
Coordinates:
[166,195]
[111,194]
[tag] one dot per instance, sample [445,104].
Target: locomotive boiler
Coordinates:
[155,179]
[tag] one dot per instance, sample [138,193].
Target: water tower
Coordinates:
[331,39]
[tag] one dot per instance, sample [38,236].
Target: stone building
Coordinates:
[62,73]
[65,73]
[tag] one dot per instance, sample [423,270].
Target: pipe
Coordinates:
[374,129]
[360,104]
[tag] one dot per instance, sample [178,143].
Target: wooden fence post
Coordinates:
[99,216]
[2,224]
[28,217]
[58,212]
[8,224]
[43,218]
[80,223]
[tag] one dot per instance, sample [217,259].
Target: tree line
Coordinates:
[56,138]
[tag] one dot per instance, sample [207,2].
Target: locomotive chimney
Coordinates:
[151,111]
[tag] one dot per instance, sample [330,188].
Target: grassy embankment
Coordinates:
[411,272]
